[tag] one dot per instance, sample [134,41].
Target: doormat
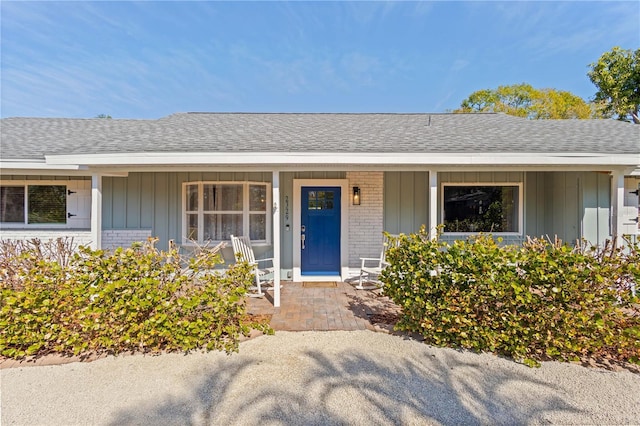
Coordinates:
[319,284]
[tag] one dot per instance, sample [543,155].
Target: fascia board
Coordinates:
[41,168]
[124,169]
[285,158]
[36,165]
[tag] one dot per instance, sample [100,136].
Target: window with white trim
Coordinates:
[213,211]
[494,208]
[33,204]
[45,203]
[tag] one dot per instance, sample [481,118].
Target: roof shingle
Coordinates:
[33,138]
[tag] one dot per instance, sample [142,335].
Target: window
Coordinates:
[213,211]
[482,208]
[33,204]
[320,200]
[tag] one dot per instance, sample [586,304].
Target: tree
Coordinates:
[523,100]
[617,77]
[103,116]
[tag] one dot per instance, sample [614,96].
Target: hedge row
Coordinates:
[542,300]
[56,299]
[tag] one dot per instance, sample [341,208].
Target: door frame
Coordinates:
[344,227]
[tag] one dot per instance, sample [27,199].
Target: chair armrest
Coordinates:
[368,259]
[268,259]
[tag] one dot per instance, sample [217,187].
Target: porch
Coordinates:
[325,308]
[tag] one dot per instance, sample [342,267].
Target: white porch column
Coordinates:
[617,204]
[433,204]
[276,238]
[96,211]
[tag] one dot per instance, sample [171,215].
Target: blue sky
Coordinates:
[151,59]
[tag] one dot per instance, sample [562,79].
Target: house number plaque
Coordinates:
[286,208]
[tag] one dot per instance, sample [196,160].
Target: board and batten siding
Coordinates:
[596,199]
[406,196]
[406,201]
[153,201]
[569,205]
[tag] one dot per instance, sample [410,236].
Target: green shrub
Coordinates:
[132,299]
[532,302]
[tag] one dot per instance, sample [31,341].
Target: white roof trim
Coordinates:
[356,158]
[37,165]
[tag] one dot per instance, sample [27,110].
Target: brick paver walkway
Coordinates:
[339,308]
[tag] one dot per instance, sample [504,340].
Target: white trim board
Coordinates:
[342,158]
[123,170]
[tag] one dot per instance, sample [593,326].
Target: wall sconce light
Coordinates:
[356,196]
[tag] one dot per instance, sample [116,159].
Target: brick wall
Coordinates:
[80,236]
[113,238]
[365,220]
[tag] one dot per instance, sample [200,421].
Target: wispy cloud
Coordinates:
[422,8]
[549,28]
[370,11]
[150,58]
[361,68]
[546,45]
[459,64]
[21,16]
[441,102]
[115,82]
[313,70]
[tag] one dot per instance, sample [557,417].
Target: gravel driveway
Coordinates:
[338,377]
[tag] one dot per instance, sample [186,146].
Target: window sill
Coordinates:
[44,226]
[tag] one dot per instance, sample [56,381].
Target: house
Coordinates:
[316,190]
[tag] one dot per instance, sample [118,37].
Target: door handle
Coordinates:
[302,238]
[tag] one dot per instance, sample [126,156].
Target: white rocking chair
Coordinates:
[243,251]
[371,268]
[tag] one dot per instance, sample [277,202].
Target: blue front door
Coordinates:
[320,230]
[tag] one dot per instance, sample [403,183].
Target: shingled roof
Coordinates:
[33,138]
